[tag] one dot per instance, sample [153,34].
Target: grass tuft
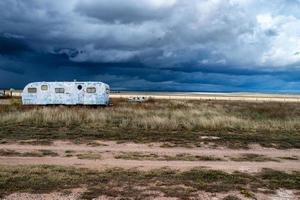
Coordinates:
[38,153]
[250,157]
[89,156]
[152,156]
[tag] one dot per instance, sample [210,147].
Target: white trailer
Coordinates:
[66,93]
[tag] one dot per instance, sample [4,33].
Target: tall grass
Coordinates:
[165,115]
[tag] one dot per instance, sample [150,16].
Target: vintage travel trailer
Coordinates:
[66,93]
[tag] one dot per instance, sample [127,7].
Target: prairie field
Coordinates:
[174,121]
[159,149]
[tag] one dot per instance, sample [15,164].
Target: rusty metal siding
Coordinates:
[72,94]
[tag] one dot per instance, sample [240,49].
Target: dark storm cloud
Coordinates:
[11,45]
[219,45]
[133,11]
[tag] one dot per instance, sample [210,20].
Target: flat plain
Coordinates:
[159,149]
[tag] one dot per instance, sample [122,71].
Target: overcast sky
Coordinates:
[182,45]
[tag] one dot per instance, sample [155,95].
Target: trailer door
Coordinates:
[80,93]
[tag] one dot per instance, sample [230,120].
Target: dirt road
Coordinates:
[109,154]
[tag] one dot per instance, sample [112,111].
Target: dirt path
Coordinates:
[108,150]
[75,194]
[227,166]
[152,148]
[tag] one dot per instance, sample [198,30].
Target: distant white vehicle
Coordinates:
[66,93]
[1,93]
[138,99]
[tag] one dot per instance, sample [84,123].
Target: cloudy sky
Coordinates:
[174,45]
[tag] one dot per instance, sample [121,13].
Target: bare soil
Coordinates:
[107,150]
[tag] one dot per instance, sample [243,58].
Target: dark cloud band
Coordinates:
[153,44]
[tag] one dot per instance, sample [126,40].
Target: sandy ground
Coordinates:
[108,151]
[75,194]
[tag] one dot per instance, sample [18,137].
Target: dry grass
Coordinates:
[250,157]
[266,123]
[289,158]
[89,156]
[38,153]
[152,156]
[132,184]
[164,115]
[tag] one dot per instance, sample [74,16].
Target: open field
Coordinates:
[234,96]
[163,149]
[173,122]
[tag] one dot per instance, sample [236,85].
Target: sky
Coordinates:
[165,45]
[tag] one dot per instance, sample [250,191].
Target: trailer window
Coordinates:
[44,87]
[31,90]
[91,90]
[59,90]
